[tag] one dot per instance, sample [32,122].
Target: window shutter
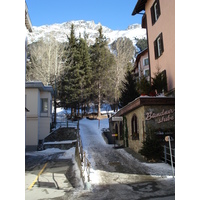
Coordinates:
[162,43]
[152,15]
[156,49]
[158,10]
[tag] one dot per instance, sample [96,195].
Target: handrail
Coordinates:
[85,163]
[166,155]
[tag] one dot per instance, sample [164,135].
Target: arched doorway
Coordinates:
[134,127]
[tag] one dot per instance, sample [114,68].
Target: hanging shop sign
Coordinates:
[164,116]
[117,119]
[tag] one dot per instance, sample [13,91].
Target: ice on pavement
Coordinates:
[114,173]
[105,160]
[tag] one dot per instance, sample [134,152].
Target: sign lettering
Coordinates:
[164,116]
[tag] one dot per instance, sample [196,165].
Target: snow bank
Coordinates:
[161,169]
[61,142]
[65,154]
[91,136]
[70,153]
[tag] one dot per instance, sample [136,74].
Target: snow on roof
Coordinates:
[145,100]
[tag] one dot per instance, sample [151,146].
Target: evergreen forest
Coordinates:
[81,74]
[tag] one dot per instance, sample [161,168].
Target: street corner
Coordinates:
[47,185]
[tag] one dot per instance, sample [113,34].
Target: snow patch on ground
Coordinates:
[61,142]
[70,153]
[162,169]
[65,154]
[91,135]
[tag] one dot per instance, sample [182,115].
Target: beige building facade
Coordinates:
[144,115]
[38,100]
[159,20]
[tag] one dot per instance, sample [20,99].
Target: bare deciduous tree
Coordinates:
[44,60]
[123,50]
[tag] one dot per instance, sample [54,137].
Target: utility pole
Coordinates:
[55,102]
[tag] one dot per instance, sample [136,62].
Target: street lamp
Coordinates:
[55,94]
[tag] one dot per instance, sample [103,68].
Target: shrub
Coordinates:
[151,149]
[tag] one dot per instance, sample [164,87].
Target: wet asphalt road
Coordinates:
[113,175]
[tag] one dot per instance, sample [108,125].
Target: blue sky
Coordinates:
[115,14]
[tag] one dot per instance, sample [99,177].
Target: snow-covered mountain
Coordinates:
[60,31]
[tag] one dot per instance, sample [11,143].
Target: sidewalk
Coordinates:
[47,187]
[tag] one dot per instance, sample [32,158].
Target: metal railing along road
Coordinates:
[166,155]
[85,163]
[67,123]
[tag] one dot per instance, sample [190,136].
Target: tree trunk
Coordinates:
[99,109]
[99,103]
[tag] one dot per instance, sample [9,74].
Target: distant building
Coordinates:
[141,66]
[38,100]
[159,21]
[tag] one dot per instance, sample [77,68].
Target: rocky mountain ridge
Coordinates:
[61,31]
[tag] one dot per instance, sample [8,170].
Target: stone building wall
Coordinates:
[139,113]
[154,116]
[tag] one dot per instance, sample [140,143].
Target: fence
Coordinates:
[83,162]
[67,123]
[166,155]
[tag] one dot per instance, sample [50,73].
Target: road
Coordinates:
[103,156]
[115,174]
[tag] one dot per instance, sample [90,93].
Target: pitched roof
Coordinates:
[39,85]
[145,101]
[139,6]
[141,53]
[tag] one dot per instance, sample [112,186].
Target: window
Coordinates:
[134,126]
[145,61]
[155,11]
[146,72]
[158,46]
[44,105]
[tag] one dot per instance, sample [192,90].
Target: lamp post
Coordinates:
[55,94]
[167,139]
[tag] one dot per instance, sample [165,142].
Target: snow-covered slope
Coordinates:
[60,31]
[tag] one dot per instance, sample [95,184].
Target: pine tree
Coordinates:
[143,85]
[142,44]
[72,73]
[128,90]
[76,80]
[159,81]
[85,69]
[102,61]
